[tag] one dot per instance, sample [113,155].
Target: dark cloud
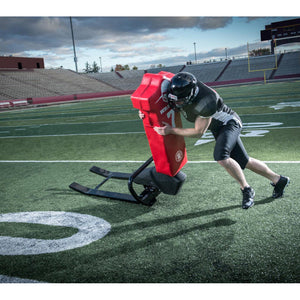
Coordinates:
[124,37]
[206,23]
[19,34]
[144,25]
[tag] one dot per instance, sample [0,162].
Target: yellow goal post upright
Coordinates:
[262,69]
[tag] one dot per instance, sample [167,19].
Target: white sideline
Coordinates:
[130,161]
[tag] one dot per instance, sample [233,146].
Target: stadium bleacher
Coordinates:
[47,83]
[239,68]
[289,65]
[27,84]
[171,69]
[206,72]
[123,80]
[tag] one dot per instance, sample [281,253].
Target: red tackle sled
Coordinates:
[168,152]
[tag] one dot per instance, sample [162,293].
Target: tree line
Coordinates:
[94,68]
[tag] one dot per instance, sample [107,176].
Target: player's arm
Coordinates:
[201,125]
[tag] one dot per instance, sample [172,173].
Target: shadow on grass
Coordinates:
[265,201]
[131,246]
[167,220]
[111,211]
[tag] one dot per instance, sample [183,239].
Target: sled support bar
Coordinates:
[147,197]
[105,173]
[105,194]
[135,174]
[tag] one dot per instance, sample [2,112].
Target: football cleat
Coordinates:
[279,187]
[248,197]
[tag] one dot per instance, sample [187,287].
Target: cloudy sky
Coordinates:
[136,39]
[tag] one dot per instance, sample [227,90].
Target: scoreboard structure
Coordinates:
[282,32]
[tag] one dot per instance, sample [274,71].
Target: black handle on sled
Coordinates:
[148,196]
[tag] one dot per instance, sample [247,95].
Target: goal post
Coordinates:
[261,62]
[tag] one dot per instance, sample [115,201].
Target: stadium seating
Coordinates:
[171,69]
[289,65]
[123,80]
[239,68]
[47,83]
[24,84]
[206,72]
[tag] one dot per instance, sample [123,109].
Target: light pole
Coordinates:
[226,53]
[75,58]
[195,52]
[100,63]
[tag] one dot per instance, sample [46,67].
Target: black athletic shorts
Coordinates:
[229,144]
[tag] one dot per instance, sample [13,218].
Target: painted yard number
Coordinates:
[250,130]
[90,229]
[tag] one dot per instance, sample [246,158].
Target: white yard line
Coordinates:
[128,161]
[68,134]
[82,123]
[106,133]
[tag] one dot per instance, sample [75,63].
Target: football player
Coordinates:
[205,108]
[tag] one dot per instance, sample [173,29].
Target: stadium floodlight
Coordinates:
[195,53]
[75,58]
[100,58]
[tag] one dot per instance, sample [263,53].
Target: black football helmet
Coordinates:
[182,90]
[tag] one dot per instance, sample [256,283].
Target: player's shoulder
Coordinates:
[205,89]
[205,103]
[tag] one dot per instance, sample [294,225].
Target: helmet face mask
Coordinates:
[182,90]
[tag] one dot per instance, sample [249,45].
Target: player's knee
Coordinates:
[223,162]
[249,163]
[220,156]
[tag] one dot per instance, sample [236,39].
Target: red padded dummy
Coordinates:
[168,152]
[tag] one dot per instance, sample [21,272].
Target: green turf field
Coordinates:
[50,233]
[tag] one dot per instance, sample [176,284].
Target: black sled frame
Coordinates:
[147,197]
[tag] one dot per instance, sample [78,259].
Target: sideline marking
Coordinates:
[90,229]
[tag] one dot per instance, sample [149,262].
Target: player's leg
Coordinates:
[234,169]
[228,141]
[278,182]
[262,169]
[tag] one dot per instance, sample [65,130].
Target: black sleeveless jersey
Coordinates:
[208,103]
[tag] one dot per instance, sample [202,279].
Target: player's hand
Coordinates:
[141,115]
[164,130]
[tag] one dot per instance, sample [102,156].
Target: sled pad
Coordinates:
[168,152]
[166,184]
